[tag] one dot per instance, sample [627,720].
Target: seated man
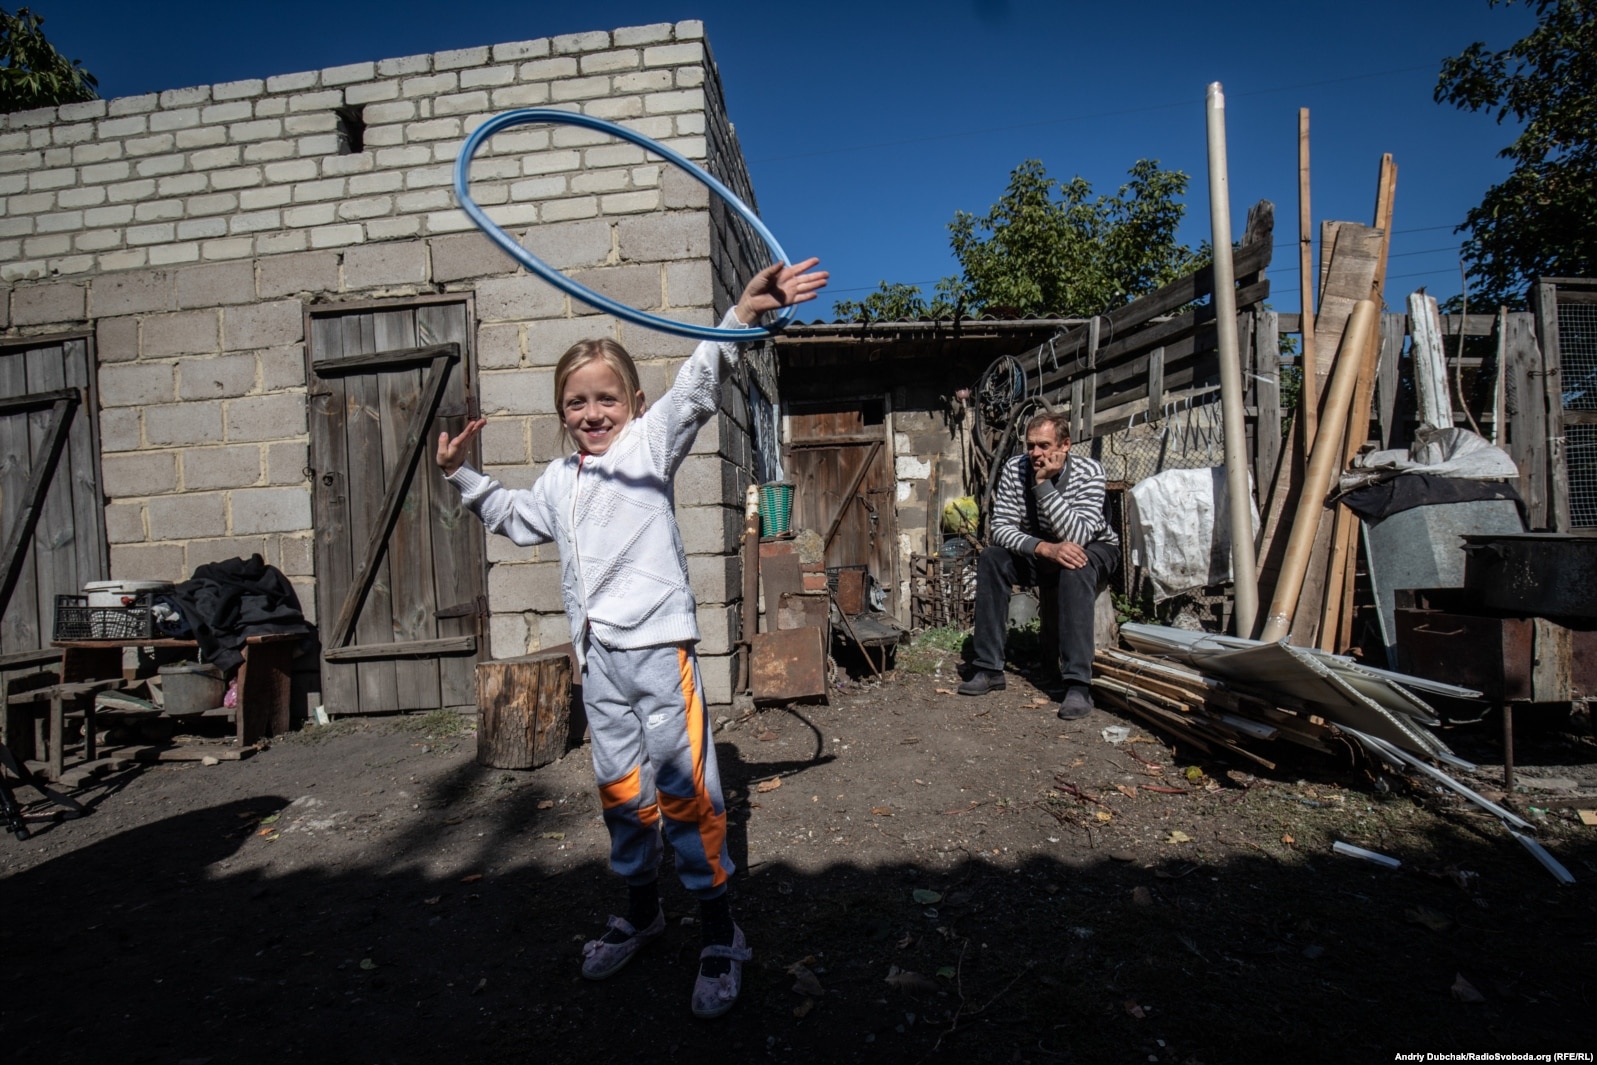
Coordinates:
[1047,524]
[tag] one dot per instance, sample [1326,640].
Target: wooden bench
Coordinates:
[264,678]
[50,730]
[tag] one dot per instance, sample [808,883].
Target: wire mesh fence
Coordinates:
[1189,435]
[1577,346]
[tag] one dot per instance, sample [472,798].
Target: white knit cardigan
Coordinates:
[623,571]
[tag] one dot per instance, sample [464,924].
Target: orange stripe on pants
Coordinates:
[697,809]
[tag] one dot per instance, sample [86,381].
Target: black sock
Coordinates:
[643,904]
[715,922]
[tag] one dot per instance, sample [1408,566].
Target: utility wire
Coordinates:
[1078,118]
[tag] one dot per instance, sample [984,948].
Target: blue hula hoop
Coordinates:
[582,292]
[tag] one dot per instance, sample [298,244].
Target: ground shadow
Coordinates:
[170,943]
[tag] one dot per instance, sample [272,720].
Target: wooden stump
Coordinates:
[526,710]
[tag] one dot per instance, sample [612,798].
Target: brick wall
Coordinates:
[189,230]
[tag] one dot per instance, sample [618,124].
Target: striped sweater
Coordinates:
[1067,509]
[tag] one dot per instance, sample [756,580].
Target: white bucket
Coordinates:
[110,593]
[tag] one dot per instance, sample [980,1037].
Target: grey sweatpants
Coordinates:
[655,764]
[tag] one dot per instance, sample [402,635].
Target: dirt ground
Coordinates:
[924,878]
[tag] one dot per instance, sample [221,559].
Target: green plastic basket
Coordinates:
[776,508]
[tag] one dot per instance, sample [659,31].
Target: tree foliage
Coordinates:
[1542,219]
[1047,248]
[32,73]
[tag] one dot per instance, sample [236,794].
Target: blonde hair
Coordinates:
[607,351]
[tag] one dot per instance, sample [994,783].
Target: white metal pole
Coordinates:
[1244,574]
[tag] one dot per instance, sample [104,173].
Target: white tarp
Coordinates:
[1439,452]
[1180,527]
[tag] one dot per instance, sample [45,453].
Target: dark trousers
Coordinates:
[1075,592]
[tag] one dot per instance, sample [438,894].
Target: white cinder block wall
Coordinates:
[189,230]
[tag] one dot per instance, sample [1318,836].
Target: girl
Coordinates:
[624,583]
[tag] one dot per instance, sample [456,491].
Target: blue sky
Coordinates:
[867,125]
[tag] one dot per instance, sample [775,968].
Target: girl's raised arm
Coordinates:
[779,285]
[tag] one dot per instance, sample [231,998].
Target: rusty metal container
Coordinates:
[1541,574]
[1491,655]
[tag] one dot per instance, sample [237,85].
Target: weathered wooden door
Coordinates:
[52,514]
[840,463]
[400,583]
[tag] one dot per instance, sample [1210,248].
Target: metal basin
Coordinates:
[1542,574]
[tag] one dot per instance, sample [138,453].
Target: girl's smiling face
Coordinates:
[596,407]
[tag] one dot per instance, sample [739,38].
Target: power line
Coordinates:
[1079,118]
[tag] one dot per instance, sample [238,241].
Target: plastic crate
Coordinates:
[75,619]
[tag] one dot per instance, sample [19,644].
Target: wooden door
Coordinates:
[52,514]
[840,462]
[400,574]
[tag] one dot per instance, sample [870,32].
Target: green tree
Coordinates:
[893,302]
[32,73]
[1047,248]
[1542,219]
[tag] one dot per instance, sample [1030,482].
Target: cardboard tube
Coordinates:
[1323,463]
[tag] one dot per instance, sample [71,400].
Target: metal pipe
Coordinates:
[1244,570]
[751,587]
[1323,463]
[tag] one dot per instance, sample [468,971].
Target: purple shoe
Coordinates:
[601,960]
[713,996]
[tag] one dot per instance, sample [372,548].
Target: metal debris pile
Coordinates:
[1236,695]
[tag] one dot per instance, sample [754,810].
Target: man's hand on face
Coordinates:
[1046,453]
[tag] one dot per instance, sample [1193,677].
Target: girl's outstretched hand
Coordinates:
[452,452]
[779,285]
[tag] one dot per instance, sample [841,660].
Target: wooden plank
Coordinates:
[1545,296]
[28,402]
[1128,347]
[386,360]
[365,616]
[1387,383]
[1500,377]
[1426,348]
[1089,397]
[1252,257]
[414,649]
[1337,616]
[459,568]
[19,628]
[1552,678]
[409,542]
[1328,231]
[1349,273]
[90,551]
[330,504]
[1527,421]
[1250,398]
[1155,383]
[41,478]
[1267,388]
[1309,405]
[53,555]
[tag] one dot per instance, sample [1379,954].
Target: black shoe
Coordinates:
[1077,704]
[981,682]
[1050,683]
